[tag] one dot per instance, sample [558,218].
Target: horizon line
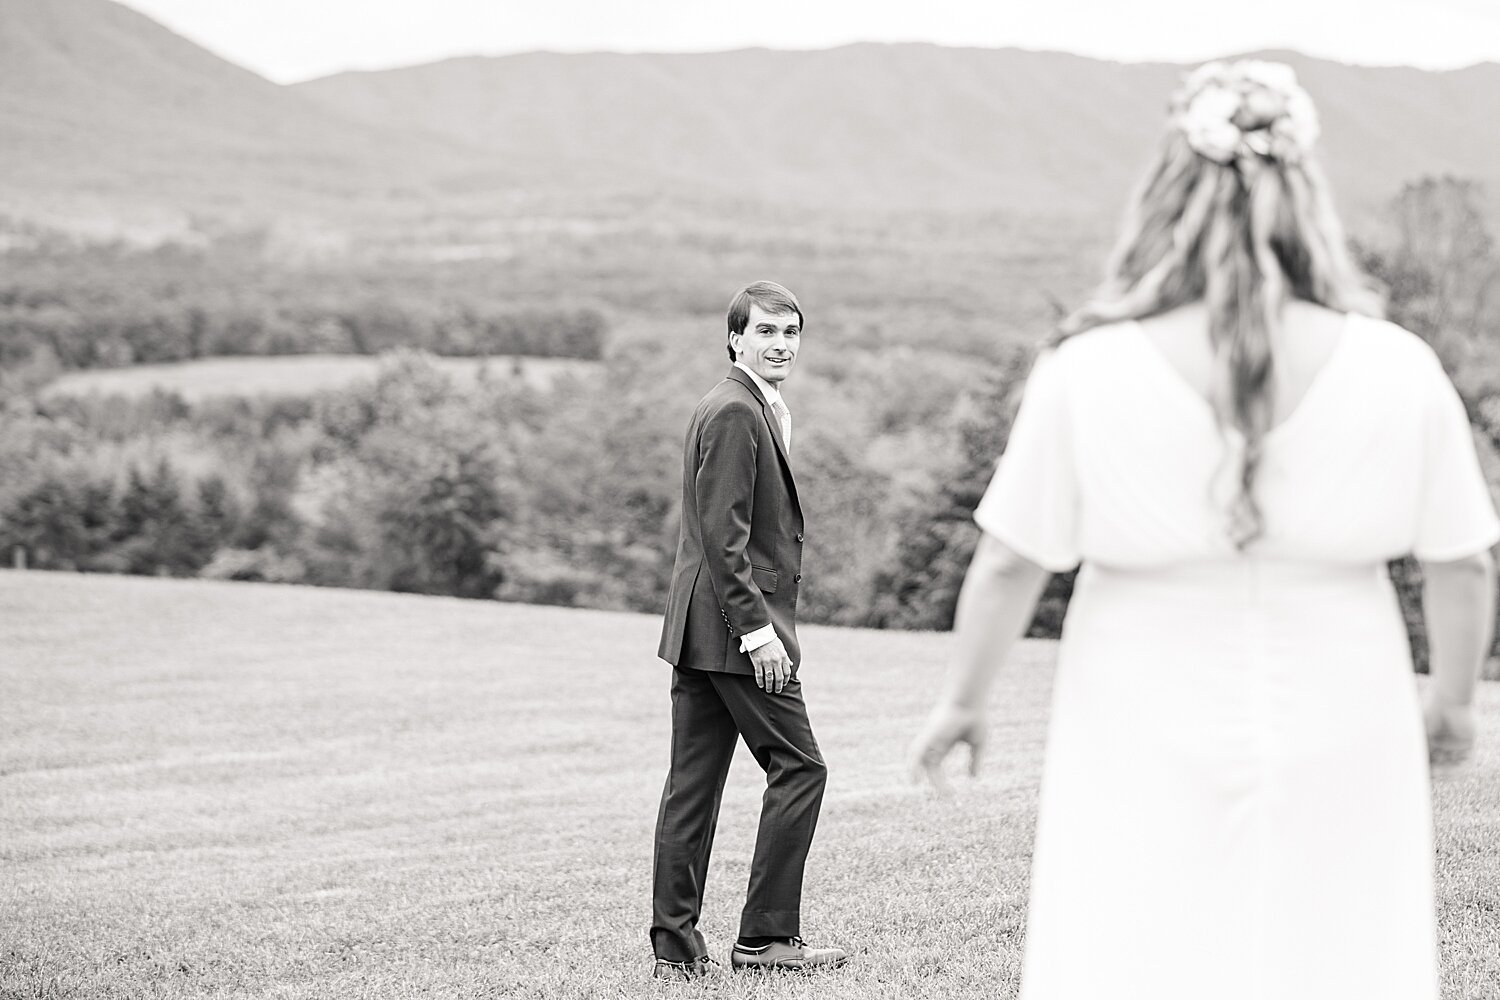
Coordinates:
[913,43]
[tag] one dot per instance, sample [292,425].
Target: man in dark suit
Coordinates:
[731,636]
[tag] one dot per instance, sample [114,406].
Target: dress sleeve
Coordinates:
[1032,502]
[1457,516]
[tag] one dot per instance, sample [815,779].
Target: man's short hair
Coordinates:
[771,297]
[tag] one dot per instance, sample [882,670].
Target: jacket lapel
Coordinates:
[772,421]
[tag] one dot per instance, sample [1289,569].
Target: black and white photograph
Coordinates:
[786,501]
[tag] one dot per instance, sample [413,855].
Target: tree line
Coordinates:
[110,306]
[568,493]
[564,493]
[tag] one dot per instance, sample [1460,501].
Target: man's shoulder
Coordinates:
[728,395]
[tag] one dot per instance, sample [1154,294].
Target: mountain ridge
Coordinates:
[1279,54]
[103,111]
[103,106]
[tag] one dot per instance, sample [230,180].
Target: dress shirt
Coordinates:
[764,634]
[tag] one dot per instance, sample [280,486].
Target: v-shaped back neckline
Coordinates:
[1174,376]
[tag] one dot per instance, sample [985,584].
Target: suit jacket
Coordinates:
[739,552]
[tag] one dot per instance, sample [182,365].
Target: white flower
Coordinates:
[1209,72]
[1272,75]
[1213,103]
[1248,108]
[1207,125]
[1301,118]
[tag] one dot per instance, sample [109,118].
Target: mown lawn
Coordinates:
[233,790]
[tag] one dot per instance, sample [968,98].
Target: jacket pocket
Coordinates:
[764,578]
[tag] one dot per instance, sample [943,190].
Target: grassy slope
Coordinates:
[258,791]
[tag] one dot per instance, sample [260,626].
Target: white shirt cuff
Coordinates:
[758,638]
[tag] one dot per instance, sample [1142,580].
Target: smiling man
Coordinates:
[731,637]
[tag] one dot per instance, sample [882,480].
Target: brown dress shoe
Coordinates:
[793,953]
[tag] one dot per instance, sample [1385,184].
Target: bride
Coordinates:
[1235,802]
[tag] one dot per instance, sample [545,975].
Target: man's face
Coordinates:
[768,347]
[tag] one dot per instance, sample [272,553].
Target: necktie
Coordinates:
[785,416]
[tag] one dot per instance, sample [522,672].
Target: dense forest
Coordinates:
[564,493]
[110,306]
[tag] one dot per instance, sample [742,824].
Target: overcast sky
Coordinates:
[289,40]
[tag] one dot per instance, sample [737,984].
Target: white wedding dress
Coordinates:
[1235,803]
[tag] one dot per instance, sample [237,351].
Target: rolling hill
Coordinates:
[105,113]
[903,126]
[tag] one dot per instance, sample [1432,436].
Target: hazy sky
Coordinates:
[289,40]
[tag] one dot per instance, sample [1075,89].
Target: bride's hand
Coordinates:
[947,726]
[1450,732]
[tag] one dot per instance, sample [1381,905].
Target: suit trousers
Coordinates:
[709,710]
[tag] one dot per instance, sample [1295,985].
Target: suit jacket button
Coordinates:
[799,536]
[797,578]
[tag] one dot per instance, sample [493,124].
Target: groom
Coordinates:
[731,636]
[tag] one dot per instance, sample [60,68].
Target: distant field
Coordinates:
[239,790]
[293,375]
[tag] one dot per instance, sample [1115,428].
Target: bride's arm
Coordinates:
[998,598]
[1458,599]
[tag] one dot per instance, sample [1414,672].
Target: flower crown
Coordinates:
[1238,110]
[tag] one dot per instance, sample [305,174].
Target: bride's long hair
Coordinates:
[1235,212]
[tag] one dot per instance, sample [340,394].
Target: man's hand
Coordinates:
[947,726]
[773,668]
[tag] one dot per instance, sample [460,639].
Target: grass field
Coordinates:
[291,375]
[238,790]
